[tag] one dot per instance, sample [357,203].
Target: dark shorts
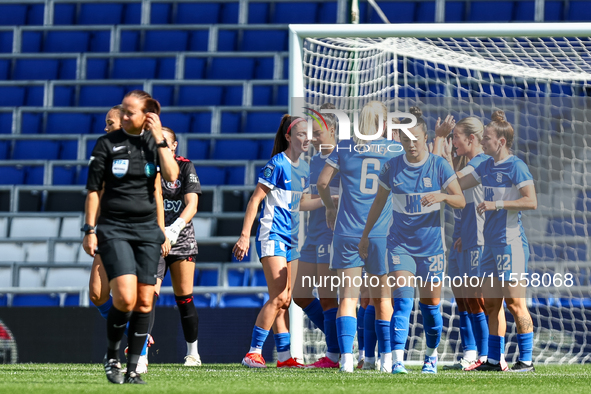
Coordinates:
[130,249]
[165,262]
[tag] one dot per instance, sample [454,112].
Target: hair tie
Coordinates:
[298,120]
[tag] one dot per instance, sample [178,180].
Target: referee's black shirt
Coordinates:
[127,164]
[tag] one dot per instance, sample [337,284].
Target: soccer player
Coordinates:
[413,183]
[180,205]
[468,241]
[508,189]
[317,249]
[129,237]
[281,187]
[359,162]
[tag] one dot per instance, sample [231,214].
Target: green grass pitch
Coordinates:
[233,378]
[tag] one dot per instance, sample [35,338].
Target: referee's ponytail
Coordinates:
[150,104]
[281,143]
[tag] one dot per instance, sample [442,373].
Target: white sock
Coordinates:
[334,357]
[362,354]
[483,358]
[386,360]
[284,356]
[347,358]
[528,363]
[431,352]
[502,358]
[370,360]
[398,356]
[470,355]
[256,350]
[192,348]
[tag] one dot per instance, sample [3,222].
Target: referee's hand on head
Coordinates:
[90,243]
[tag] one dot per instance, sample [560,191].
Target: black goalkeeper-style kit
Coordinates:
[174,204]
[129,237]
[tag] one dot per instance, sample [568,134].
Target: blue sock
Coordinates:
[496,347]
[258,337]
[330,330]
[314,312]
[403,303]
[282,341]
[432,324]
[360,323]
[346,327]
[383,334]
[145,348]
[369,331]
[480,329]
[466,333]
[525,343]
[105,308]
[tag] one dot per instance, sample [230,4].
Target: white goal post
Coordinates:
[540,74]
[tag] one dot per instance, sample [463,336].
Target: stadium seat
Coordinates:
[31,122]
[296,12]
[262,122]
[282,95]
[211,175]
[70,227]
[425,12]
[264,40]
[97,69]
[166,68]
[200,95]
[12,175]
[208,278]
[66,252]
[396,12]
[491,11]
[231,122]
[258,13]
[229,227]
[5,276]
[83,257]
[235,175]
[166,40]
[584,201]
[31,276]
[32,227]
[4,149]
[68,123]
[201,122]
[205,301]
[179,122]
[235,150]
[10,252]
[265,149]
[102,96]
[195,68]
[67,277]
[228,40]
[202,227]
[3,227]
[575,252]
[36,300]
[12,96]
[72,300]
[214,253]
[231,68]
[89,147]
[265,68]
[546,252]
[130,41]
[21,14]
[243,300]
[524,11]
[196,13]
[327,12]
[134,68]
[63,96]
[35,150]
[160,13]
[262,95]
[553,11]
[37,252]
[238,277]
[198,150]
[258,278]
[68,150]
[568,227]
[65,41]
[64,175]
[164,94]
[4,67]
[579,11]
[107,14]
[6,39]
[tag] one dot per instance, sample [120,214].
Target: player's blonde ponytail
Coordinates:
[372,114]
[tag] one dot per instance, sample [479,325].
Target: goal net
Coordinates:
[540,76]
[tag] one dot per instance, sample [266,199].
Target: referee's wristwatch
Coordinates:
[87,229]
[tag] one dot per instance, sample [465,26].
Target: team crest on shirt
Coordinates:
[150,170]
[193,178]
[427,182]
[120,167]
[395,260]
[499,177]
[268,171]
[174,185]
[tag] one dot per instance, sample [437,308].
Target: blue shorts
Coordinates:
[502,261]
[271,248]
[425,267]
[316,254]
[471,261]
[346,255]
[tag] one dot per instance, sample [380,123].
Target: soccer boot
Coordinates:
[133,378]
[489,367]
[520,366]
[192,360]
[430,365]
[398,368]
[113,370]
[460,365]
[254,360]
[290,363]
[324,362]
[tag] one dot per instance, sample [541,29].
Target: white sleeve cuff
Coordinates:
[384,185]
[525,183]
[467,170]
[450,180]
[332,163]
[266,183]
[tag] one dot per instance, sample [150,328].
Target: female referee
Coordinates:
[508,189]
[359,163]
[129,237]
[180,205]
[415,243]
[280,188]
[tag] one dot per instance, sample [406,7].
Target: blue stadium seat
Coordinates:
[231,68]
[198,150]
[3,299]
[282,95]
[31,123]
[425,12]
[68,150]
[34,96]
[238,277]
[134,68]
[63,96]
[231,122]
[232,95]
[201,122]
[130,41]
[102,96]
[579,11]
[164,94]
[491,11]
[264,68]
[258,13]
[295,12]
[265,149]
[30,69]
[262,95]
[198,40]
[179,122]
[208,278]
[64,14]
[553,11]
[166,68]
[575,252]
[200,95]
[35,300]
[235,175]
[583,202]
[195,68]
[524,11]
[102,14]
[36,150]
[243,300]
[327,12]
[205,301]
[64,175]
[264,40]
[396,12]
[5,123]
[66,41]
[210,175]
[12,96]
[12,175]
[166,40]
[100,41]
[566,226]
[160,13]
[34,175]
[262,122]
[98,123]
[13,14]
[4,149]
[89,147]
[188,13]
[258,278]
[228,40]
[546,252]
[82,176]
[229,12]
[235,150]
[72,300]
[4,69]
[65,123]
[6,39]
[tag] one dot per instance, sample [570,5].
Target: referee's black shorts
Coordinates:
[130,249]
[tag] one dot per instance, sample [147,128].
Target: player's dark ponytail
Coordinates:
[503,128]
[281,143]
[150,104]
